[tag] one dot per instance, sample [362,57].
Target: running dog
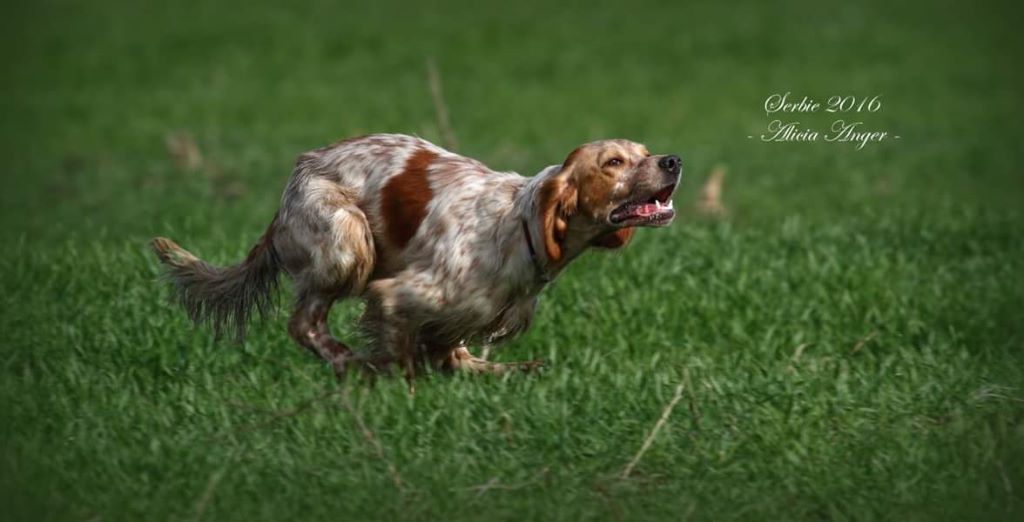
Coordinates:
[443,250]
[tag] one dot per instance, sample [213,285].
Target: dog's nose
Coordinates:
[670,164]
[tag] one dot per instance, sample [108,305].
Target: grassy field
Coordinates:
[849,339]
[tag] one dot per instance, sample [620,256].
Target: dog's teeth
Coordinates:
[669,206]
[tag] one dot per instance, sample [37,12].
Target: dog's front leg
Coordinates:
[390,324]
[461,359]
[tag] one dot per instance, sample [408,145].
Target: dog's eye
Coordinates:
[614,162]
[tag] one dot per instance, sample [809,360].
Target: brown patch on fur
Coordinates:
[571,158]
[404,198]
[594,186]
[612,240]
[557,204]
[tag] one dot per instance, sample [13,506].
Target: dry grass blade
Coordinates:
[186,156]
[215,479]
[275,416]
[710,202]
[798,352]
[860,344]
[495,484]
[346,401]
[184,152]
[211,486]
[654,432]
[443,123]
[694,409]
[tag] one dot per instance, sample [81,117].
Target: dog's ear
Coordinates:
[557,202]
[615,239]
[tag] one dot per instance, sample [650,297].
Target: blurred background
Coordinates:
[93,91]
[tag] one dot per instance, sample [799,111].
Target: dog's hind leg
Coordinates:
[326,246]
[308,327]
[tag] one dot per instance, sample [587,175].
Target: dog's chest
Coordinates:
[489,316]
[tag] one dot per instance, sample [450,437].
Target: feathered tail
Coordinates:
[224,297]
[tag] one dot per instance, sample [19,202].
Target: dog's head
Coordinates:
[601,192]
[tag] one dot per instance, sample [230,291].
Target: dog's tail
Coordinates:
[225,297]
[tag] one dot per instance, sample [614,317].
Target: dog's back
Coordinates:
[421,203]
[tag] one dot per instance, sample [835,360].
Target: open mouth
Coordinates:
[654,211]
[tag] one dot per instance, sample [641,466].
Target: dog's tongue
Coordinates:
[642,210]
[647,209]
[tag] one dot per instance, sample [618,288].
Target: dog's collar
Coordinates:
[542,274]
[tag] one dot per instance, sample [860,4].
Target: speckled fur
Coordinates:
[456,268]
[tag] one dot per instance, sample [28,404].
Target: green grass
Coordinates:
[849,338]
